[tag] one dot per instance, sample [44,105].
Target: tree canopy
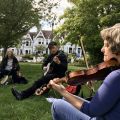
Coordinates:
[85,20]
[18,16]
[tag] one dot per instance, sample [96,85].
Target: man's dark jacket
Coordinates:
[58,69]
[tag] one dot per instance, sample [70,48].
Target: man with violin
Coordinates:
[57,61]
[105,104]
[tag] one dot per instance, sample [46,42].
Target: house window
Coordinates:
[29,51]
[47,51]
[27,43]
[79,50]
[26,51]
[47,43]
[70,50]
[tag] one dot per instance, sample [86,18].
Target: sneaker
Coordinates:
[18,95]
[51,99]
[4,80]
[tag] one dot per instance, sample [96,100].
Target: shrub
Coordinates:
[27,56]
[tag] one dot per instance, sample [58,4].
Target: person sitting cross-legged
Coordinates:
[9,67]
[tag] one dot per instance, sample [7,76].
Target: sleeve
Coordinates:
[105,98]
[63,60]
[2,65]
[17,66]
[46,61]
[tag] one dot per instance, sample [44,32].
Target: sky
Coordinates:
[59,11]
[63,5]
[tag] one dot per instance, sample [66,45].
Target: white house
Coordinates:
[32,39]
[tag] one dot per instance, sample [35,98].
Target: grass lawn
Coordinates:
[33,108]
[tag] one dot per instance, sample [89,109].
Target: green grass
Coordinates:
[33,108]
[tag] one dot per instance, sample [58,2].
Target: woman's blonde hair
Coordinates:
[112,35]
[9,50]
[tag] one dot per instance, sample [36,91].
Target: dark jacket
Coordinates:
[15,65]
[58,69]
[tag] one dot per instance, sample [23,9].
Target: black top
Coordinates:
[58,69]
[15,64]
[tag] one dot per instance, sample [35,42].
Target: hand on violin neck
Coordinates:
[60,80]
[58,87]
[55,80]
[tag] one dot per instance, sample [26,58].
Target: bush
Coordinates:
[80,63]
[45,55]
[28,56]
[70,56]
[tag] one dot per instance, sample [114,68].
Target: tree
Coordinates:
[85,20]
[17,17]
[40,48]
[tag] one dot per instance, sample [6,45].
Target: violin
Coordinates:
[99,72]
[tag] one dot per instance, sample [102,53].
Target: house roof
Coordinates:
[33,34]
[47,34]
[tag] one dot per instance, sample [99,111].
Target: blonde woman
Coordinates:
[10,66]
[105,105]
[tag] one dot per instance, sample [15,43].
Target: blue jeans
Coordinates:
[62,110]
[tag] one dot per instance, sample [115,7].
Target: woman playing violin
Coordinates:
[105,105]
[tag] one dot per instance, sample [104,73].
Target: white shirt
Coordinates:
[9,64]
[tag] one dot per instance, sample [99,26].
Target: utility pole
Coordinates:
[52,30]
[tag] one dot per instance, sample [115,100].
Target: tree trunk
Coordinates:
[4,51]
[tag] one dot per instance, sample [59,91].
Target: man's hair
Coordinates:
[51,44]
[112,35]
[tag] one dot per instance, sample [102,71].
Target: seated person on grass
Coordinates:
[105,104]
[58,67]
[9,66]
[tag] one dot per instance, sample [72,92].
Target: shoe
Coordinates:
[18,95]
[4,80]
